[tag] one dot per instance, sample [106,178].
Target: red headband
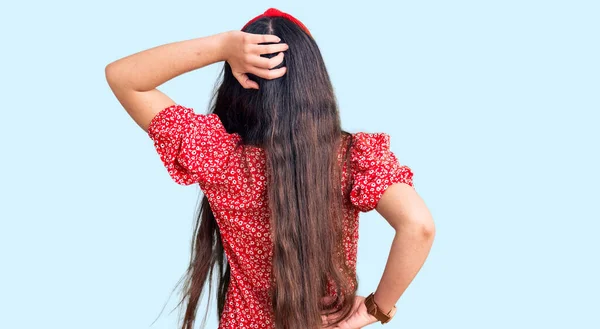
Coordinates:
[272,12]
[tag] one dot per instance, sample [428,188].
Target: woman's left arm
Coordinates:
[134,79]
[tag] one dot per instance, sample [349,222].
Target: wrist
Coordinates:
[381,314]
[385,307]
[223,40]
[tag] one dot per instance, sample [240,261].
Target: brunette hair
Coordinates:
[295,119]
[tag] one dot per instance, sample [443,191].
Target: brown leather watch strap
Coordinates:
[374,310]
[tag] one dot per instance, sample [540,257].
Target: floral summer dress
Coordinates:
[196,149]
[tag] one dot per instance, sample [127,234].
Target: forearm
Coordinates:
[148,69]
[410,247]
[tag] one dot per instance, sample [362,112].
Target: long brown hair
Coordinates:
[296,120]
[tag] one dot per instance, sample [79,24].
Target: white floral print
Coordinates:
[196,149]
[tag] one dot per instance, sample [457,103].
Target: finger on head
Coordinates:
[269,49]
[266,63]
[245,81]
[276,60]
[265,38]
[252,84]
[269,74]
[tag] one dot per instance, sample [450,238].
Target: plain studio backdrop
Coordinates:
[493,104]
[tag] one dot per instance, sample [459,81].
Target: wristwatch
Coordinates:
[375,311]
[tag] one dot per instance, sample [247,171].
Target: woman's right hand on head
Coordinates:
[242,51]
[359,317]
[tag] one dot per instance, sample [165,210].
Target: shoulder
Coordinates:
[366,140]
[368,148]
[194,147]
[375,167]
[179,117]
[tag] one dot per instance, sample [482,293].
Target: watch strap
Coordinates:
[375,311]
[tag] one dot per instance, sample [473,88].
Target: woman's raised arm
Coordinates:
[134,79]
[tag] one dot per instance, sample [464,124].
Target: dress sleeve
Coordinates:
[374,168]
[194,148]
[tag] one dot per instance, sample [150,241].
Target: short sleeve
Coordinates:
[194,148]
[374,168]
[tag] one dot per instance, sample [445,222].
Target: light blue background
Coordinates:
[494,104]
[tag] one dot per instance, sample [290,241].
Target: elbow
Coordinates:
[110,74]
[427,229]
[421,227]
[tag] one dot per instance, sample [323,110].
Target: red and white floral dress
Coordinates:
[196,148]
